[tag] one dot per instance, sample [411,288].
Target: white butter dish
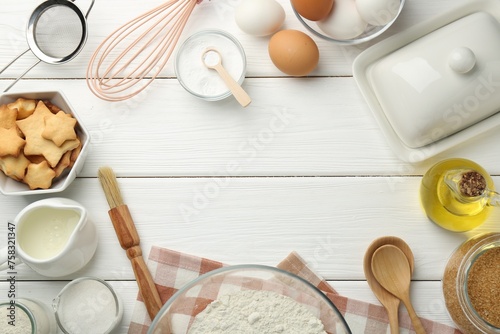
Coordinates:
[437,83]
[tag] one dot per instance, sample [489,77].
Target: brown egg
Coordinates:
[293,52]
[313,10]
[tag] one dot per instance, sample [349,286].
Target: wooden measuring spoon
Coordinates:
[387,299]
[392,270]
[213,60]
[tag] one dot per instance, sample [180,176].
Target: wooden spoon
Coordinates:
[213,60]
[392,270]
[387,299]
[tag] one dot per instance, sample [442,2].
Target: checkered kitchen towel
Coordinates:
[171,270]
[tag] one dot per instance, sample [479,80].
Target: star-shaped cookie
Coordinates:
[63,163]
[14,167]
[24,107]
[7,117]
[39,176]
[59,128]
[10,142]
[32,127]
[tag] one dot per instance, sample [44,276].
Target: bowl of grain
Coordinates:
[249,299]
[471,285]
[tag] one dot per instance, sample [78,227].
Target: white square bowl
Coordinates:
[10,186]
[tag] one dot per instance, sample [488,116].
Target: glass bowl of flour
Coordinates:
[201,81]
[249,299]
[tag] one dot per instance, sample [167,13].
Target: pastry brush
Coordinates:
[129,240]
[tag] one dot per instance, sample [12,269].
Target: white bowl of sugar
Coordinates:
[201,81]
[88,305]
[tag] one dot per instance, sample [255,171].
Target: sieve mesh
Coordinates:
[58,31]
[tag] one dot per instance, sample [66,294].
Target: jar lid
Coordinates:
[436,84]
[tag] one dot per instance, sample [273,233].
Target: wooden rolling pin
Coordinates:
[129,240]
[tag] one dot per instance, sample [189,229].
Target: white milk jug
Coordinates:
[53,236]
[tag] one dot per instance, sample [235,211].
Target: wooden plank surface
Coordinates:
[304,168]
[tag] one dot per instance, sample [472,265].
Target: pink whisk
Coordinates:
[130,59]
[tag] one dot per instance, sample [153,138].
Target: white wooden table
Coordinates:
[325,185]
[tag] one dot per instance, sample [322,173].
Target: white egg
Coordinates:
[259,17]
[344,21]
[378,12]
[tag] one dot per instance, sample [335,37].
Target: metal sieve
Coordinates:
[56,33]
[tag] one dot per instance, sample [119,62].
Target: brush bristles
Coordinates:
[110,186]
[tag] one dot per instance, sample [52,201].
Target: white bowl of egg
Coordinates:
[347,22]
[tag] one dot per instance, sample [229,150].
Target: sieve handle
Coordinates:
[89,9]
[12,61]
[22,75]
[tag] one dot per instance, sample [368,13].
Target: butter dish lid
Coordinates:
[443,82]
[438,83]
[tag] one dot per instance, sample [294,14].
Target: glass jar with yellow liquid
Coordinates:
[458,194]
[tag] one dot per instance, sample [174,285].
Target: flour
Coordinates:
[256,312]
[195,76]
[28,316]
[22,323]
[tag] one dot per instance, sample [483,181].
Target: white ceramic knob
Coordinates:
[462,60]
